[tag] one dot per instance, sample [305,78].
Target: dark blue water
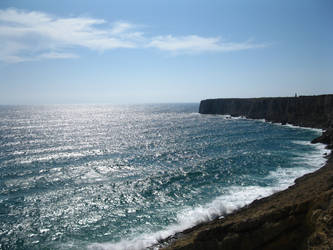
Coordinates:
[122,177]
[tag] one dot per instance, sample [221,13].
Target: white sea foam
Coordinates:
[238,117]
[305,143]
[299,127]
[319,130]
[233,198]
[292,126]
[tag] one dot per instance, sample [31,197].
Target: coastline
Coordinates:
[300,217]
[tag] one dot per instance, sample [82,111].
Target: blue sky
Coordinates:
[75,51]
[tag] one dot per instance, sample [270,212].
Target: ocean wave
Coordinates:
[234,197]
[127,179]
[275,123]
[308,128]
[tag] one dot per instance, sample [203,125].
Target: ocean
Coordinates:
[124,177]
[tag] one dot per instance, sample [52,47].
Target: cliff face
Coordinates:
[300,217]
[306,111]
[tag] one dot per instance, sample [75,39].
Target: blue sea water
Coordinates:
[123,177]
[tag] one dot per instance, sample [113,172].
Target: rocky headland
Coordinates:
[305,111]
[300,217]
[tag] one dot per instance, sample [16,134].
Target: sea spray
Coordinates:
[105,177]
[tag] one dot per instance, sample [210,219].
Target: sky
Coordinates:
[163,51]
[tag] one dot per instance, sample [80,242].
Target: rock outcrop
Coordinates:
[325,138]
[300,217]
[306,111]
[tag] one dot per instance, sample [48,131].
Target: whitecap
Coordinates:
[233,198]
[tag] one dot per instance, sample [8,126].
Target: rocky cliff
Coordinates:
[300,217]
[306,111]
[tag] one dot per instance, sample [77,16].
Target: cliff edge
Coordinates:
[300,217]
[305,111]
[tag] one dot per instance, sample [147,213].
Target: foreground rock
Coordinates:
[300,217]
[326,138]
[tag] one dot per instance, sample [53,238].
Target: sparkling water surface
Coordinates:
[123,177]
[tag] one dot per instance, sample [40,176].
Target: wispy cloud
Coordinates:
[31,35]
[35,35]
[197,44]
[57,55]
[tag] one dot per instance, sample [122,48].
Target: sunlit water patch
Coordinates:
[123,177]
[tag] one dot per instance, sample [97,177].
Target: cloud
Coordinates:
[31,35]
[197,44]
[120,27]
[56,55]
[26,36]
